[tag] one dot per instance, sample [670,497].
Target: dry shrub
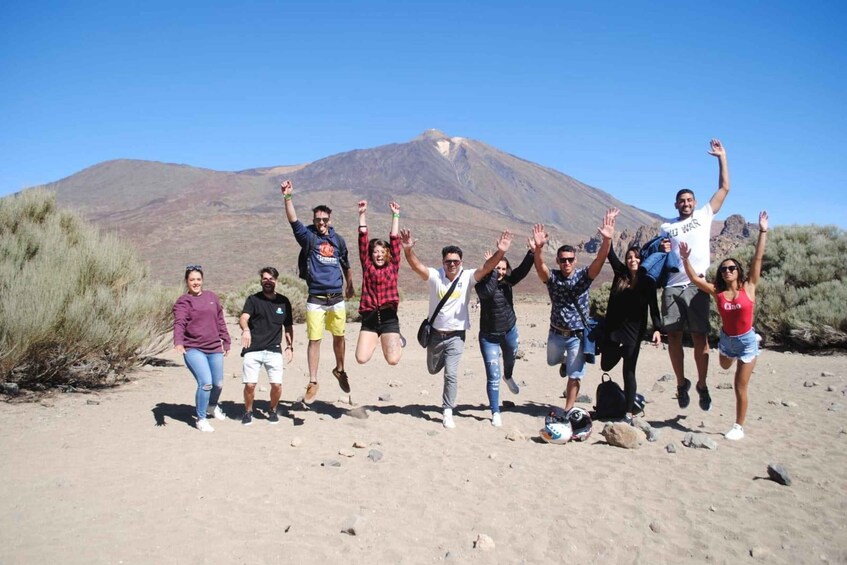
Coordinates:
[77,308]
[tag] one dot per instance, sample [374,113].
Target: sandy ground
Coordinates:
[122,476]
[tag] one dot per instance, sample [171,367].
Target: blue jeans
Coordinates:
[208,371]
[491,345]
[567,351]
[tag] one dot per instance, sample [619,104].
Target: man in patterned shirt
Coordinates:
[568,289]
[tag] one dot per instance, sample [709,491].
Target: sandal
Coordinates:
[311,392]
[342,379]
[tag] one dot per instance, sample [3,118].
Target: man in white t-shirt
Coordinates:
[683,305]
[448,336]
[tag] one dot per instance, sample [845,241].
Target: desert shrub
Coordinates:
[291,286]
[598,299]
[77,308]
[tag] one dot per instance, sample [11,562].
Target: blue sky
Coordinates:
[621,95]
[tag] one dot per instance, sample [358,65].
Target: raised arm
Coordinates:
[287,190]
[756,265]
[606,231]
[718,150]
[395,218]
[503,243]
[699,282]
[522,270]
[538,239]
[408,243]
[363,224]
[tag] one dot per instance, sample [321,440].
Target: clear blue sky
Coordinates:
[621,95]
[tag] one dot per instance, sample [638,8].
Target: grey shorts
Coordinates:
[685,307]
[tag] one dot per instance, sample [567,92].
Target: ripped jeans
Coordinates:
[208,371]
[491,345]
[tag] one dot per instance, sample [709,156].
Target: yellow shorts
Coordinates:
[320,317]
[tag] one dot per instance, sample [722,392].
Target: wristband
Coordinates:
[289,347]
[365,226]
[763,231]
[286,197]
[395,215]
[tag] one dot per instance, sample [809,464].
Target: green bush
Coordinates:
[77,308]
[291,286]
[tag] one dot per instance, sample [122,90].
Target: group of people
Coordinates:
[677,262]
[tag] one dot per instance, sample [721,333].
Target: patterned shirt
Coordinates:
[379,284]
[563,292]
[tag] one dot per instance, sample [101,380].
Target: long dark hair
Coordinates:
[622,282]
[720,284]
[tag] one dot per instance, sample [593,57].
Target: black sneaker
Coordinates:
[705,399]
[273,418]
[682,394]
[247,418]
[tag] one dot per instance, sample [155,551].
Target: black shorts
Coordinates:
[383,321]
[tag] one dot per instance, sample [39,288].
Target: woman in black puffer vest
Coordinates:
[498,332]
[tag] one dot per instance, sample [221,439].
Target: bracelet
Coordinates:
[286,197]
[763,231]
[289,347]
[365,226]
[395,215]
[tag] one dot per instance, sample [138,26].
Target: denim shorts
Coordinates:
[567,351]
[744,347]
[255,360]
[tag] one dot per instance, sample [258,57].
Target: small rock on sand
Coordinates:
[483,542]
[778,474]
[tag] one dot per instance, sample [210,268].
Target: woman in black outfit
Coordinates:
[498,330]
[626,320]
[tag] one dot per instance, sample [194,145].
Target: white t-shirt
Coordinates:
[454,314]
[695,231]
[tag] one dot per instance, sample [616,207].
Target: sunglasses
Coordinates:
[567,260]
[321,220]
[194,267]
[730,268]
[452,261]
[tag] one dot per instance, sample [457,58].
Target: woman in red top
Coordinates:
[380,297]
[736,298]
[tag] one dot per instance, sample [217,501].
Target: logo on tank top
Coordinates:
[731,306]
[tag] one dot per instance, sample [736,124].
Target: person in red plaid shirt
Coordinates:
[380,298]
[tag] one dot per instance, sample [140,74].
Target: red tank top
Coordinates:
[737,315]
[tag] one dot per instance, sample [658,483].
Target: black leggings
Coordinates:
[610,354]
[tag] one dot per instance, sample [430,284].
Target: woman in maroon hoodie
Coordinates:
[201,336]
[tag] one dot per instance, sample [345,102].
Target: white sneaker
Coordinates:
[496,421]
[736,433]
[447,420]
[513,386]
[204,426]
[218,414]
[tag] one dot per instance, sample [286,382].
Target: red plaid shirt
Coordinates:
[379,284]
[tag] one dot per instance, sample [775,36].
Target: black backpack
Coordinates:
[611,400]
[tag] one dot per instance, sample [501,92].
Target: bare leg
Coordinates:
[313,356]
[276,393]
[571,393]
[742,377]
[677,356]
[249,393]
[392,349]
[365,346]
[701,358]
[338,348]
[726,362]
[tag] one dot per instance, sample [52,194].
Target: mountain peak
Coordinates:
[433,134]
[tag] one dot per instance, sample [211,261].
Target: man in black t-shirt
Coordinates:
[262,320]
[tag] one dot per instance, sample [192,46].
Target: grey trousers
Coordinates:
[445,353]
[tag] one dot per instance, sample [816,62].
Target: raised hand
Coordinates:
[487,255]
[607,230]
[539,236]
[684,250]
[363,206]
[406,239]
[763,221]
[504,241]
[395,208]
[716,149]
[286,187]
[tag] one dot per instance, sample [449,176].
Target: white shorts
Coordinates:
[253,361]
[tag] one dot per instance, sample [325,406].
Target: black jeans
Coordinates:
[610,354]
